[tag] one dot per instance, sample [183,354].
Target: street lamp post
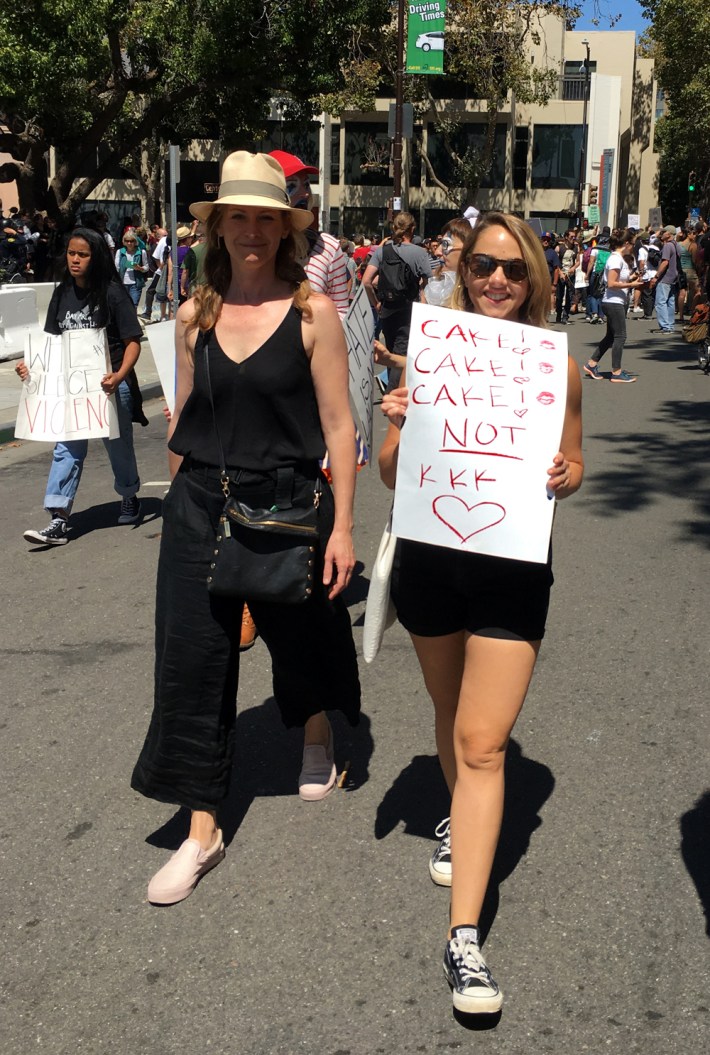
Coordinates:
[585,132]
[399,98]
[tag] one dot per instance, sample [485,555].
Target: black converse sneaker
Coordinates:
[55,533]
[130,511]
[440,862]
[474,990]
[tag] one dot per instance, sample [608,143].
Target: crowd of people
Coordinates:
[262,417]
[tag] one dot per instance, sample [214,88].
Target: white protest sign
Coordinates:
[633,220]
[359,326]
[62,399]
[161,338]
[486,409]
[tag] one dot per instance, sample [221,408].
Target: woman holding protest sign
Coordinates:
[262,386]
[477,621]
[91,296]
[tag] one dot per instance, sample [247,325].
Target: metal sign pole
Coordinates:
[174,155]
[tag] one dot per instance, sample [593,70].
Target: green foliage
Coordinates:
[79,74]
[683,72]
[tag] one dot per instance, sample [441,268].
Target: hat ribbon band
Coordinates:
[253,187]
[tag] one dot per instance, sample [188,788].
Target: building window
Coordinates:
[303,142]
[520,158]
[466,138]
[367,155]
[660,103]
[556,153]
[574,79]
[364,221]
[335,153]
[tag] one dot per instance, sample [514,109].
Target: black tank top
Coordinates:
[266,408]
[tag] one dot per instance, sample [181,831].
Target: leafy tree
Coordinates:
[683,72]
[102,78]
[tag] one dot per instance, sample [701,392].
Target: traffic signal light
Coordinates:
[593,194]
[691,181]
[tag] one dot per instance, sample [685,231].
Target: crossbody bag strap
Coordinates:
[223,475]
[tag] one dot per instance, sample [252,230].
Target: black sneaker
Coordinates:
[440,862]
[55,534]
[130,511]
[474,990]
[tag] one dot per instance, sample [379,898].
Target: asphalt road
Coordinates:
[321,931]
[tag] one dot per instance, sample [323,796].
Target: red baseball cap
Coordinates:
[291,164]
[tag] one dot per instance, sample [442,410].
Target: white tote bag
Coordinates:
[379,611]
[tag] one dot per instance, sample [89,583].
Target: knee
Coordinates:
[480,753]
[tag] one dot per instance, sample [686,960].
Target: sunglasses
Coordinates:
[480,265]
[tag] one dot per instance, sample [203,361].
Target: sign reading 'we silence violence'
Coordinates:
[62,398]
[486,409]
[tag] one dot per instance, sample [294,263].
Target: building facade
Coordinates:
[535,168]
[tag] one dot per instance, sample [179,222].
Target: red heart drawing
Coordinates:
[469,518]
[521,380]
[520,413]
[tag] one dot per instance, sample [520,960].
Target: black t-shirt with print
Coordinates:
[69,310]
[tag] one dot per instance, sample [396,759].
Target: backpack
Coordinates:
[397,284]
[654,257]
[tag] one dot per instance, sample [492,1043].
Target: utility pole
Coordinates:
[398,104]
[585,133]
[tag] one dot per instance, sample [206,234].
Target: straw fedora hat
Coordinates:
[253,179]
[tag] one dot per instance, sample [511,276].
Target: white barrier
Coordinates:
[22,309]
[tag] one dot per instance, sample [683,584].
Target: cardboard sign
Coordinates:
[62,399]
[359,326]
[161,340]
[486,408]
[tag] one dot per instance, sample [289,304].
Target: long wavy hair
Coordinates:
[208,298]
[536,306]
[100,275]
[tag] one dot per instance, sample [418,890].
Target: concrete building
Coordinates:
[535,170]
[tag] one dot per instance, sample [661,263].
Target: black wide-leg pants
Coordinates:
[187,755]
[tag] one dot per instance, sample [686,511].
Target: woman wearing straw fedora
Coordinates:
[262,387]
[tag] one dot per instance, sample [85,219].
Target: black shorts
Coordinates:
[439,591]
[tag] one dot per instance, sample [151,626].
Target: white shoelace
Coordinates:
[469,961]
[442,830]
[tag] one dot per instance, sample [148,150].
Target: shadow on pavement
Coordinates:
[418,798]
[267,761]
[695,848]
[646,466]
[98,518]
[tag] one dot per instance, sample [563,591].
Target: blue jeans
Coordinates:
[68,461]
[134,292]
[594,306]
[665,306]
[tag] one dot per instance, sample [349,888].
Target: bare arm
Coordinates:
[324,340]
[367,280]
[131,352]
[394,407]
[184,351]
[565,474]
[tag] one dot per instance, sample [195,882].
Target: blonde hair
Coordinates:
[401,225]
[208,298]
[536,306]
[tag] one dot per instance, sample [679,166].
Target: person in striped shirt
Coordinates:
[326,265]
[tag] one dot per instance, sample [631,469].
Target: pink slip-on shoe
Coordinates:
[318,771]
[178,878]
